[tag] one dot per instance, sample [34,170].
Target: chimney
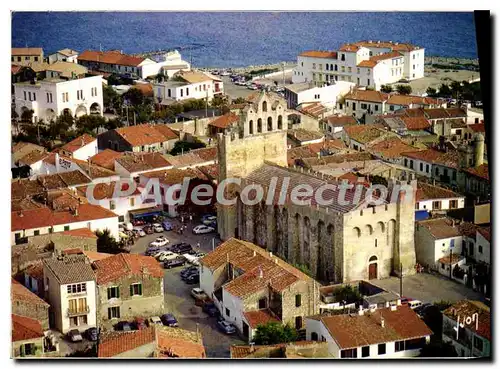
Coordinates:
[382,322]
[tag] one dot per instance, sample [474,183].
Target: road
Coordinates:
[429,288]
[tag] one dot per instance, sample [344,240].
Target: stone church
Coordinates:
[337,243]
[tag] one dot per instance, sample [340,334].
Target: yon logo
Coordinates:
[467,320]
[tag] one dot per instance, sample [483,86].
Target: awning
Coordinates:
[149,212]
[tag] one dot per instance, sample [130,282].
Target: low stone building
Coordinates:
[128,285]
[291,350]
[27,337]
[26,304]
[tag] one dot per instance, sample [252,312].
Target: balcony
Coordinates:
[79,311]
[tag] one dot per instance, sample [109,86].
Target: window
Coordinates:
[169,93]
[368,82]
[228,313]
[113,292]
[36,233]
[427,168]
[121,218]
[381,349]
[66,228]
[29,96]
[342,57]
[349,69]
[478,343]
[417,205]
[314,65]
[480,249]
[314,336]
[365,351]
[436,205]
[391,107]
[34,96]
[453,204]
[182,92]
[187,91]
[336,68]
[28,349]
[51,230]
[399,346]
[363,106]
[454,175]
[358,70]
[421,167]
[262,303]
[298,300]
[76,288]
[18,58]
[351,353]
[114,312]
[136,289]
[411,164]
[406,162]
[376,107]
[437,171]
[112,205]
[298,322]
[24,95]
[442,266]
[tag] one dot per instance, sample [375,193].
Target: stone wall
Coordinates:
[38,312]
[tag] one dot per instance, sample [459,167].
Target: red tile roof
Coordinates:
[415,123]
[258,317]
[121,266]
[391,148]
[341,121]
[146,134]
[22,51]
[441,228]
[401,46]
[385,56]
[467,308]
[367,95]
[224,121]
[455,258]
[45,217]
[106,190]
[449,159]
[113,343]
[20,293]
[320,54]
[208,153]
[479,127]
[177,342]
[110,57]
[351,331]
[24,328]
[78,143]
[367,64]
[166,131]
[14,69]
[94,256]
[365,133]
[481,171]
[80,232]
[427,191]
[35,271]
[106,158]
[485,232]
[137,162]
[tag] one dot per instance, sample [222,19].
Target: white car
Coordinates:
[165,255]
[209,219]
[155,320]
[159,242]
[158,228]
[198,293]
[192,259]
[139,231]
[200,229]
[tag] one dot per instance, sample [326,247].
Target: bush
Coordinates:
[274,333]
[386,88]
[182,147]
[403,89]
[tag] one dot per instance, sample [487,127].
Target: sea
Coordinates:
[239,39]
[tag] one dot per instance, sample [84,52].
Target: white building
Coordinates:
[366,63]
[434,198]
[70,289]
[173,63]
[39,221]
[308,92]
[52,97]
[393,332]
[483,243]
[188,85]
[64,55]
[81,147]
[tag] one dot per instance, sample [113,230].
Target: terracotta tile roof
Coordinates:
[80,232]
[73,178]
[479,127]
[349,47]
[339,158]
[208,153]
[315,109]
[179,342]
[427,191]
[341,121]
[68,52]
[106,158]
[367,64]
[110,57]
[274,271]
[455,258]
[441,228]
[258,317]
[391,148]
[175,176]
[415,123]
[14,69]
[450,159]
[136,162]
[211,171]
[67,69]
[24,188]
[385,56]
[195,77]
[364,133]
[94,256]
[79,142]
[351,331]
[22,51]
[303,135]
[28,153]
[320,54]
[441,113]
[70,268]
[146,134]
[20,293]
[145,88]
[331,145]
[94,171]
[467,308]
[113,343]
[485,232]
[121,266]
[458,123]
[45,217]
[367,95]
[186,160]
[468,229]
[24,328]
[224,121]
[481,171]
[106,190]
[400,46]
[397,99]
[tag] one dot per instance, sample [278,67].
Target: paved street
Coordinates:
[429,288]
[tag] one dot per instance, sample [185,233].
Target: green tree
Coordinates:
[181,147]
[403,89]
[239,100]
[431,92]
[438,349]
[218,101]
[111,99]
[274,333]
[89,123]
[304,269]
[27,115]
[442,304]
[13,113]
[386,88]
[107,243]
[134,97]
[348,294]
[444,90]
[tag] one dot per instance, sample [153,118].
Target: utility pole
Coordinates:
[450,262]
[206,104]
[401,279]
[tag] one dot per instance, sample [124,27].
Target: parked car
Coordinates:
[226,327]
[192,279]
[160,241]
[140,323]
[165,255]
[74,335]
[210,309]
[201,229]
[420,310]
[208,218]
[198,293]
[167,226]
[172,263]
[169,320]
[188,270]
[190,273]
[405,300]
[414,304]
[192,259]
[123,326]
[158,228]
[140,232]
[181,248]
[148,229]
[92,334]
[191,276]
[154,320]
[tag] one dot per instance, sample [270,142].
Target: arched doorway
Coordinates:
[269,124]
[372,268]
[67,112]
[95,108]
[50,115]
[80,111]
